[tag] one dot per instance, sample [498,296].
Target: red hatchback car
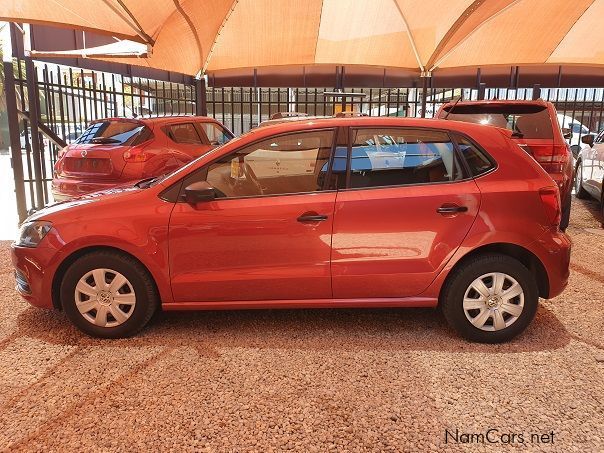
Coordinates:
[534,127]
[338,212]
[115,151]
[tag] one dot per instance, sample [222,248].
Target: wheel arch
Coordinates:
[525,256]
[74,256]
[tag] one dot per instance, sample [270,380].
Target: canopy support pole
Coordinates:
[13,125]
[426,79]
[34,115]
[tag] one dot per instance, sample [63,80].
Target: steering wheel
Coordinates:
[251,176]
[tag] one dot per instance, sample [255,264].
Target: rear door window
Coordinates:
[114,133]
[184,133]
[524,120]
[398,157]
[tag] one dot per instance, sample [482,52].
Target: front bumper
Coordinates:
[34,271]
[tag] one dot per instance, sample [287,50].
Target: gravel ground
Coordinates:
[309,380]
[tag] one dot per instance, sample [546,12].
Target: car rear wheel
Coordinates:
[490,298]
[108,294]
[580,192]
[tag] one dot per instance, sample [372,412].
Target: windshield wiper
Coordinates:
[104,140]
[517,134]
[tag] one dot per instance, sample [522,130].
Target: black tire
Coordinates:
[459,281]
[580,192]
[566,205]
[145,291]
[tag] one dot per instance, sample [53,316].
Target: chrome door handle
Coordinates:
[311,217]
[451,209]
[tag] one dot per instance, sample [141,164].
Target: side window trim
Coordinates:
[455,135]
[205,167]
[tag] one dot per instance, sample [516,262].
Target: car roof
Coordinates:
[154,120]
[500,102]
[368,121]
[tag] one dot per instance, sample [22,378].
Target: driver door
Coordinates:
[267,234]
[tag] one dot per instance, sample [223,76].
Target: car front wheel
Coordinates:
[108,294]
[490,298]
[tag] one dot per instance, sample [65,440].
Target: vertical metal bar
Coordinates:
[61,106]
[251,108]
[82,83]
[34,115]
[241,104]
[201,100]
[424,95]
[94,97]
[222,106]
[13,131]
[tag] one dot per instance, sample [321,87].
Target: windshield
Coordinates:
[114,133]
[526,121]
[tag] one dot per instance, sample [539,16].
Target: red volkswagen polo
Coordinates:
[338,212]
[115,151]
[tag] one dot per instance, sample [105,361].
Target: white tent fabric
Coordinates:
[190,36]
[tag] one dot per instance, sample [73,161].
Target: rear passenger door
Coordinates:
[406,208]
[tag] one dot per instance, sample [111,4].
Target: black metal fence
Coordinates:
[579,109]
[55,103]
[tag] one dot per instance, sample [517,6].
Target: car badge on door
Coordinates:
[84,153]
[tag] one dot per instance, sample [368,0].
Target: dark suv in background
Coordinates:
[535,129]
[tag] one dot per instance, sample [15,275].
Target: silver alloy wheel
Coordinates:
[493,301]
[105,298]
[578,177]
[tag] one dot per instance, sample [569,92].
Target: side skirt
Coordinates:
[408,302]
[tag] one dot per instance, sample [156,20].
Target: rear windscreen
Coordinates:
[525,121]
[114,133]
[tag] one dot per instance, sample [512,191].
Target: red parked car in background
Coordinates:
[535,128]
[115,151]
[337,212]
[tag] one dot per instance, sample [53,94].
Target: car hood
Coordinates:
[102,196]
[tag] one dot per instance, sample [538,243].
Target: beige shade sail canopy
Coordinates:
[193,36]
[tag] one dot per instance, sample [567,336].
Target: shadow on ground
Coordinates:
[320,329]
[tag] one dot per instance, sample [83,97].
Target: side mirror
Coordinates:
[567,133]
[199,192]
[588,140]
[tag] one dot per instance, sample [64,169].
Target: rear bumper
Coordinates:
[64,189]
[553,249]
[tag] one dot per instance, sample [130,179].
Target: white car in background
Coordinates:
[573,131]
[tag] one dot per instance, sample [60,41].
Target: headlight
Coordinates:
[31,233]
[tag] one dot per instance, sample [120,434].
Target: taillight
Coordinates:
[550,198]
[136,154]
[59,166]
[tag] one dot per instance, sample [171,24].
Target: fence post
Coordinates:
[481,90]
[13,128]
[201,101]
[536,91]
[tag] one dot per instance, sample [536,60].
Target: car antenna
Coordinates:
[452,107]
